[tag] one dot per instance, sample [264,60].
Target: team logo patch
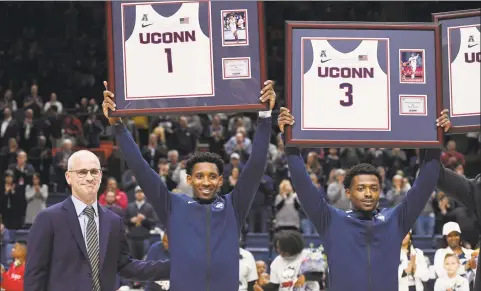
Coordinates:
[218,206]
[234,27]
[412,66]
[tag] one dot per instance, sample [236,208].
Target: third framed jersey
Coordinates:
[461,67]
[464,69]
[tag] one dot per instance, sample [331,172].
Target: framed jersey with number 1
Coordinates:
[365,85]
[185,57]
[461,41]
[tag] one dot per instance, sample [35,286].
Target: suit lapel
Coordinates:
[104,231]
[74,225]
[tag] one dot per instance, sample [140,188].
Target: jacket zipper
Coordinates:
[207,288]
[369,233]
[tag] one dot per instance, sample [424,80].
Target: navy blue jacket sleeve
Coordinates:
[249,180]
[465,191]
[153,255]
[311,198]
[417,197]
[137,270]
[154,188]
[39,243]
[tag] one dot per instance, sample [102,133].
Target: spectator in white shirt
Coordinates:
[53,102]
[453,281]
[247,271]
[413,269]
[467,263]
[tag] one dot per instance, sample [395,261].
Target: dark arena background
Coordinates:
[53,60]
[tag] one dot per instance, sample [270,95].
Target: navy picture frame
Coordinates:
[405,131]
[228,95]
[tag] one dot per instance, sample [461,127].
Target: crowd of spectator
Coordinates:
[53,61]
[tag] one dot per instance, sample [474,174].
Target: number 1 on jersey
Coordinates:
[168,52]
[348,94]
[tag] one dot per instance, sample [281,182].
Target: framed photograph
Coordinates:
[461,54]
[363,85]
[181,57]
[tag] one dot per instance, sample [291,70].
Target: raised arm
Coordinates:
[39,244]
[250,178]
[150,182]
[460,188]
[154,188]
[417,197]
[312,199]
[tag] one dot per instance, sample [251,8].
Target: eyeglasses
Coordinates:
[82,173]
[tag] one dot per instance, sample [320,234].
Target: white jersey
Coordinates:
[233,25]
[241,23]
[247,269]
[346,91]
[413,61]
[464,73]
[168,56]
[285,272]
[457,283]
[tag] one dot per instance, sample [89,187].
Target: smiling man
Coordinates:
[364,241]
[203,231]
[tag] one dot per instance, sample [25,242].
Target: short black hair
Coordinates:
[289,241]
[360,169]
[204,157]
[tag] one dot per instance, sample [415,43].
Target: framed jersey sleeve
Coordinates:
[363,84]
[461,55]
[185,56]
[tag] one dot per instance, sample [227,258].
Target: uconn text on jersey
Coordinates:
[335,72]
[472,57]
[167,37]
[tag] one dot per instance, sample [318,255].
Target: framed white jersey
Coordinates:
[464,70]
[363,84]
[461,54]
[168,56]
[342,84]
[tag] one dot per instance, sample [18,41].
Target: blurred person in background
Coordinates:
[12,280]
[36,195]
[287,208]
[452,244]
[247,271]
[413,269]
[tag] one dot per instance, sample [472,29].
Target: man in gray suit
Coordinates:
[78,244]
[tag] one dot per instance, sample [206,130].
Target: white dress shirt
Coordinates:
[83,219]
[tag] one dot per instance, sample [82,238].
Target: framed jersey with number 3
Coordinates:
[361,84]
[185,56]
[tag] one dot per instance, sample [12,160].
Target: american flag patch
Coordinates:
[362,57]
[184,20]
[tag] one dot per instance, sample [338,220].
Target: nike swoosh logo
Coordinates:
[324,61]
[472,45]
[145,25]
[190,202]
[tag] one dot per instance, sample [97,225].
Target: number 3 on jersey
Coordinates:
[348,94]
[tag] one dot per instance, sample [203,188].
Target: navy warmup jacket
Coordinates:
[203,238]
[156,253]
[363,255]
